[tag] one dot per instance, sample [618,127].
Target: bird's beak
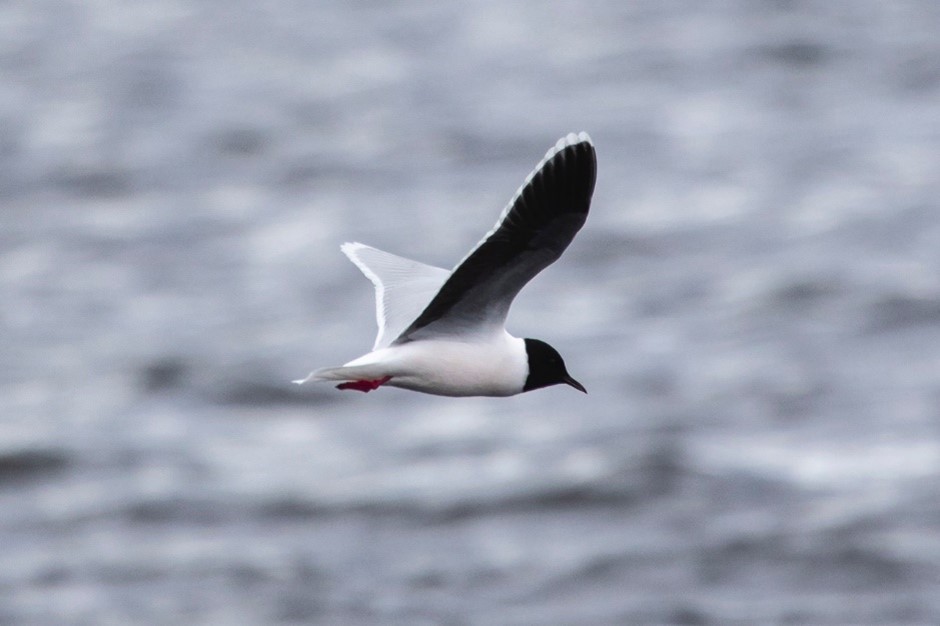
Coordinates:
[568,380]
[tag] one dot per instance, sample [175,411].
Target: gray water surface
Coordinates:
[753,305]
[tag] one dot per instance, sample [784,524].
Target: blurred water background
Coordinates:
[753,305]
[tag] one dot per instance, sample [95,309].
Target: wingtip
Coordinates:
[351,249]
[571,139]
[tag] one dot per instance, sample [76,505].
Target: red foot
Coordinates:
[364,385]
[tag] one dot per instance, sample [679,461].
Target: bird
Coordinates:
[443,332]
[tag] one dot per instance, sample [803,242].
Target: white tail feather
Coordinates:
[345,372]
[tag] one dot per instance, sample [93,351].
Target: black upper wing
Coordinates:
[536,227]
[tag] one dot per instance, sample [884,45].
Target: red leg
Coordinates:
[364,385]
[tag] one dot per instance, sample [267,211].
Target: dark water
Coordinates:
[754,306]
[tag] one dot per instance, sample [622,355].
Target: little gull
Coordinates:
[443,332]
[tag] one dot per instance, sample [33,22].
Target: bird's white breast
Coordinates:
[491,366]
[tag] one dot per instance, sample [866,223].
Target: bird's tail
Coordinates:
[343,373]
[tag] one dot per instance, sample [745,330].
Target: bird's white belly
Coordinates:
[453,368]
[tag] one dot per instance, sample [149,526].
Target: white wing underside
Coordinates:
[403,288]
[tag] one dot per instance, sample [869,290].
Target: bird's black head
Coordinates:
[546,367]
